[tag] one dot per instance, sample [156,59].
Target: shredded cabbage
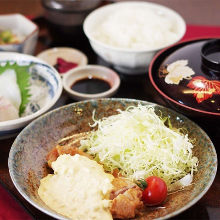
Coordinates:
[138,144]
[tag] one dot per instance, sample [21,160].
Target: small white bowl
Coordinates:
[22,26]
[69,54]
[38,71]
[87,72]
[126,60]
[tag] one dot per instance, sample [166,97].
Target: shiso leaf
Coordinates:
[23,82]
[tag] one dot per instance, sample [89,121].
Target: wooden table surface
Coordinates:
[201,12]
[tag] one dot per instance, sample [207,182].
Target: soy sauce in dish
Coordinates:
[90,85]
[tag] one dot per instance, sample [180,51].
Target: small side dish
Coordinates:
[21,93]
[17,34]
[63,58]
[90,82]
[28,88]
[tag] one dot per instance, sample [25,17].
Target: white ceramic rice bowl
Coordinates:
[129,61]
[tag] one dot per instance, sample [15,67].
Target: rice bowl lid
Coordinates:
[199,92]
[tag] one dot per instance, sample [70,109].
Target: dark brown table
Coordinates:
[137,87]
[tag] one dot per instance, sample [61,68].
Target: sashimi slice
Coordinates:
[7,110]
[9,88]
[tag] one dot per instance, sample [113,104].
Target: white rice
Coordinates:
[137,27]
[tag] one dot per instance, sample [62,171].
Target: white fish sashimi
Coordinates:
[9,88]
[7,110]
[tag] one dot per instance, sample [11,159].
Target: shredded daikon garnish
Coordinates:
[138,143]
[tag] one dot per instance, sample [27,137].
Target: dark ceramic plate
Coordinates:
[27,157]
[196,96]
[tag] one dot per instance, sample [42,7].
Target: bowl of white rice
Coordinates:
[128,34]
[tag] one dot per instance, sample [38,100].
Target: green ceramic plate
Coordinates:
[27,159]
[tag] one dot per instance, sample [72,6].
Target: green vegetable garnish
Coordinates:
[6,36]
[141,183]
[23,76]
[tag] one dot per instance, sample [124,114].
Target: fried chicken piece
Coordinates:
[126,199]
[52,156]
[126,195]
[120,186]
[67,148]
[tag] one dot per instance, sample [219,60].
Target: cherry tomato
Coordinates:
[155,192]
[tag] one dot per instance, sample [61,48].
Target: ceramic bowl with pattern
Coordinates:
[45,90]
[27,158]
[25,31]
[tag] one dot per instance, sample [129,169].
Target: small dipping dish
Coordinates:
[91,82]
[67,54]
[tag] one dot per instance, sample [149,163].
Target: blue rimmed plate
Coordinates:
[45,78]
